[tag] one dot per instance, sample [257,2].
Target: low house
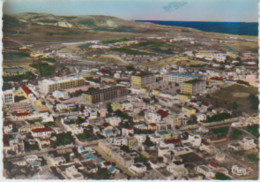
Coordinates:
[156,164]
[206,171]
[113,121]
[72,172]
[138,168]
[42,132]
[247,143]
[127,131]
[194,140]
[177,169]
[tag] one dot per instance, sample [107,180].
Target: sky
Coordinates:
[171,10]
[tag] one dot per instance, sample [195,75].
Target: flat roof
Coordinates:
[98,91]
[193,81]
[185,75]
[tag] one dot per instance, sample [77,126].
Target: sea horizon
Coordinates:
[234,28]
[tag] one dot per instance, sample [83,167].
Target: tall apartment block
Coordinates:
[142,80]
[180,77]
[102,95]
[48,86]
[193,87]
[8,96]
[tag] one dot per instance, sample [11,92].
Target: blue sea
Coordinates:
[236,28]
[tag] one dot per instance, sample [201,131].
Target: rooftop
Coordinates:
[184,75]
[98,91]
[194,81]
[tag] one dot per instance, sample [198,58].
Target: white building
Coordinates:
[42,132]
[127,131]
[152,117]
[206,171]
[247,143]
[60,94]
[177,169]
[138,168]
[194,140]
[72,173]
[8,96]
[60,83]
[113,121]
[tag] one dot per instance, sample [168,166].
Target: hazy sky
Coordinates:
[182,10]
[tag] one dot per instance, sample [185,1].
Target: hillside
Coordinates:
[46,27]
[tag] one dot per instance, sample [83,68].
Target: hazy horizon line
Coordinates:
[4,13]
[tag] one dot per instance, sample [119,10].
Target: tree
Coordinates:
[148,142]
[124,148]
[160,159]
[110,108]
[234,105]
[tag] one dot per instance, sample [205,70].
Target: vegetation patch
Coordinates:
[122,114]
[50,124]
[114,41]
[27,75]
[220,132]
[51,60]
[87,22]
[63,139]
[254,130]
[84,136]
[254,102]
[44,68]
[218,117]
[84,46]
[236,134]
[253,157]
[15,55]
[222,176]
[151,44]
[129,51]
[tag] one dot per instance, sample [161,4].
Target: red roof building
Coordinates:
[213,164]
[22,114]
[26,89]
[46,129]
[162,113]
[106,124]
[128,128]
[206,143]
[43,111]
[218,138]
[173,141]
[205,103]
[152,124]
[107,163]
[217,78]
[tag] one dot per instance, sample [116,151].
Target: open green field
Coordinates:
[254,130]
[15,55]
[220,132]
[44,68]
